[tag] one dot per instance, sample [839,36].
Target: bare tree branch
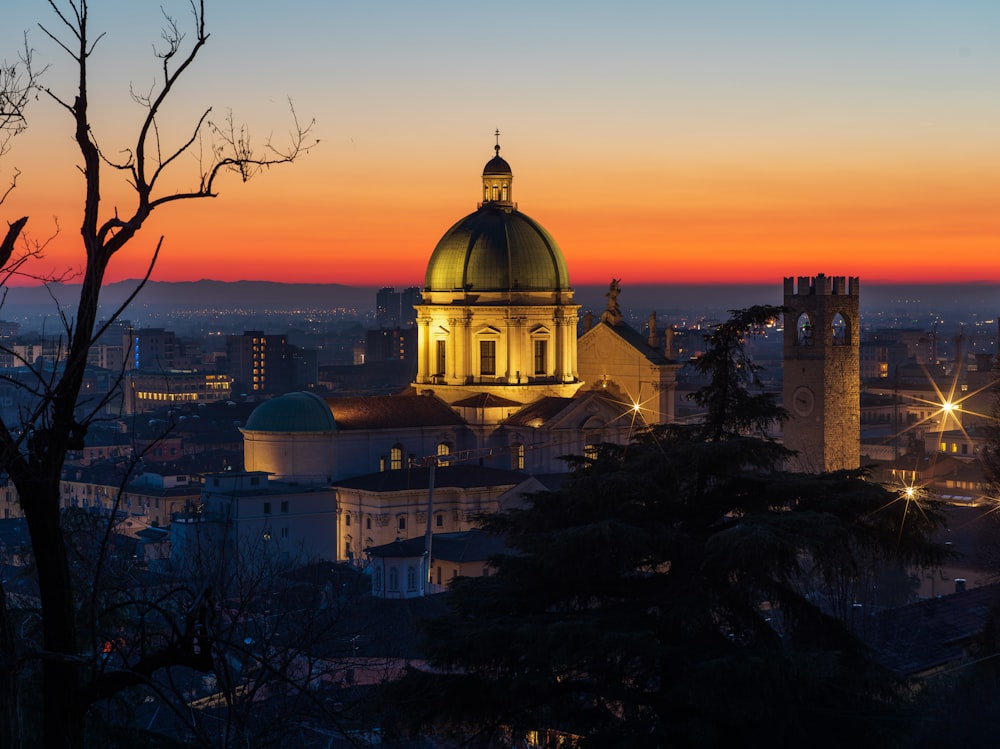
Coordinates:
[33,450]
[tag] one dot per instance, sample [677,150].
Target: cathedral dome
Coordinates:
[292,412]
[497,249]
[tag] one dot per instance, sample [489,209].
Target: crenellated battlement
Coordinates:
[822,285]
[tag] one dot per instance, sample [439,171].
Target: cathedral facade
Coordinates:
[498,387]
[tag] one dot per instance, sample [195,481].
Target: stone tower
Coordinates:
[822,391]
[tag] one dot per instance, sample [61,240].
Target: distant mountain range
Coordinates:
[161,297]
[166,296]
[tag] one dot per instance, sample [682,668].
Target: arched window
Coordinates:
[517,456]
[396,458]
[393,578]
[804,328]
[378,577]
[411,578]
[443,449]
[841,332]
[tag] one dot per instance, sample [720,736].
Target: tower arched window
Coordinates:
[804,330]
[396,458]
[841,331]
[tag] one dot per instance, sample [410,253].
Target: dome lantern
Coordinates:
[497,179]
[497,249]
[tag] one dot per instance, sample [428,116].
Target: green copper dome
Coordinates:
[497,249]
[292,412]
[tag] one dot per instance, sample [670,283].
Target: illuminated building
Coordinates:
[497,316]
[152,350]
[147,391]
[259,362]
[822,389]
[615,358]
[497,389]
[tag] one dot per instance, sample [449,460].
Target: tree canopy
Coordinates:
[680,590]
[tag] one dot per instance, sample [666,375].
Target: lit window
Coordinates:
[488,357]
[541,351]
[396,458]
[442,357]
[518,455]
[443,449]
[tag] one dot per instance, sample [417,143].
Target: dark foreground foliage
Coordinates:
[679,591]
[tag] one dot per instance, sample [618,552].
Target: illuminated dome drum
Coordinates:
[497,313]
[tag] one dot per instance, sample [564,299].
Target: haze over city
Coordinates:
[658,142]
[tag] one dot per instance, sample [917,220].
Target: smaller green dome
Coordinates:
[292,412]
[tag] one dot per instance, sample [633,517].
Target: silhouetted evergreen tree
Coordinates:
[676,592]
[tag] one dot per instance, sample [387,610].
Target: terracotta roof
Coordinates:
[636,340]
[931,634]
[391,411]
[539,412]
[461,476]
[486,400]
[473,545]
[545,409]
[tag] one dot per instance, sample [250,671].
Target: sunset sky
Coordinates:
[658,141]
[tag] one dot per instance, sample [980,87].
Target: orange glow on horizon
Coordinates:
[356,224]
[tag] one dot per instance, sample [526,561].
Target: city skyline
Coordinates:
[658,144]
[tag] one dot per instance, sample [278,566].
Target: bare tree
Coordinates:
[73,675]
